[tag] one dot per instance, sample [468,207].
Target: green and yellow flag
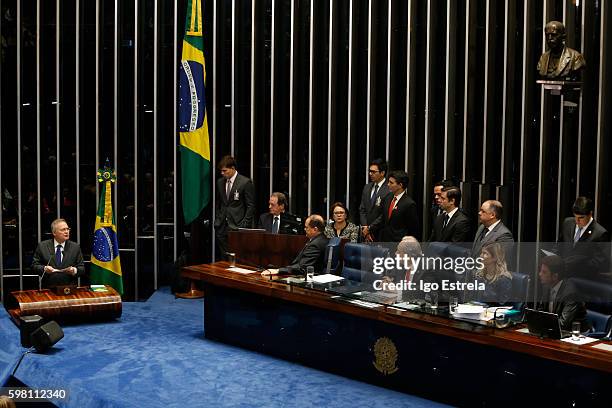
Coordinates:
[193,124]
[105,264]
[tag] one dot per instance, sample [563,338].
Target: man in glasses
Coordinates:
[371,197]
[58,261]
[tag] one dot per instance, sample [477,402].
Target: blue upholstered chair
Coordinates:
[598,295]
[600,323]
[457,251]
[447,249]
[520,289]
[332,255]
[358,261]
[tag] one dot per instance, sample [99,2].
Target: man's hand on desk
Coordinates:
[269,271]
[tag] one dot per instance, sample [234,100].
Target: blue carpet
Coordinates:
[156,356]
[10,347]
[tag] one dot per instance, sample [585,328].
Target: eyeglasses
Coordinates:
[373,171]
[339,213]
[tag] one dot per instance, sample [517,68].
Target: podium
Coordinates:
[261,249]
[83,305]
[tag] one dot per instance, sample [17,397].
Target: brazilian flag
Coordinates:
[193,124]
[105,264]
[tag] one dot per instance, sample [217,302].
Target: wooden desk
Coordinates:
[429,353]
[82,305]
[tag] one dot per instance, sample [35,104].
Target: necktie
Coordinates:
[446,220]
[275,225]
[408,276]
[228,188]
[577,236]
[58,255]
[374,191]
[551,300]
[483,233]
[392,206]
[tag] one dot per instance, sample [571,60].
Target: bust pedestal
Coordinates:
[559,152]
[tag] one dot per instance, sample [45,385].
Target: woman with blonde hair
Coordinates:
[494,274]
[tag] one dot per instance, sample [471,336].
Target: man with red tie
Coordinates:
[397,216]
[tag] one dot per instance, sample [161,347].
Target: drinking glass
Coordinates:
[575,331]
[309,273]
[433,296]
[453,302]
[231,258]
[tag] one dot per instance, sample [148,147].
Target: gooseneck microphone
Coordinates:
[44,271]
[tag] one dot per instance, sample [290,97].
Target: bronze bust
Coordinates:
[559,62]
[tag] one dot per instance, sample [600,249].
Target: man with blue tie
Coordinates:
[585,249]
[371,197]
[58,261]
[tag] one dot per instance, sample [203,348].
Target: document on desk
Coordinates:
[407,305]
[523,330]
[603,346]
[465,311]
[326,278]
[240,270]
[582,340]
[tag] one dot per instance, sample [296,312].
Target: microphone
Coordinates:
[329,259]
[260,268]
[608,336]
[44,272]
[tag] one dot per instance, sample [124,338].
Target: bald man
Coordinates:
[491,229]
[313,253]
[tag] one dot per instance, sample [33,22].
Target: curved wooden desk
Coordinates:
[82,305]
[430,355]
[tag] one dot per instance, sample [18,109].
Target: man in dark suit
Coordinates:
[235,202]
[371,197]
[436,207]
[313,253]
[397,214]
[452,225]
[58,261]
[560,295]
[277,220]
[584,247]
[492,229]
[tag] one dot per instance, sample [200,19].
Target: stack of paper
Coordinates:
[326,278]
[466,311]
[241,270]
